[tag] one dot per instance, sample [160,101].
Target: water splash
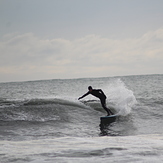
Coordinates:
[120,97]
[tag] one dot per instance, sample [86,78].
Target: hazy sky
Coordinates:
[50,39]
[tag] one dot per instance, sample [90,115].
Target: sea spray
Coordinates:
[120,97]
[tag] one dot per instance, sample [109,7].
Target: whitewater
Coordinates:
[43,121]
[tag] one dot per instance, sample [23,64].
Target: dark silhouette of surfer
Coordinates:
[99,94]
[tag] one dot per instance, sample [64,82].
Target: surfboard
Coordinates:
[108,119]
[110,116]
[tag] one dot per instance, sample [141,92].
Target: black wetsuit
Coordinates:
[99,94]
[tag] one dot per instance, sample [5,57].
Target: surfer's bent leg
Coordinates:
[103,103]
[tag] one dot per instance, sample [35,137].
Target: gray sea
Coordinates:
[43,121]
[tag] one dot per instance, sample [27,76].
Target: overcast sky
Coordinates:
[51,39]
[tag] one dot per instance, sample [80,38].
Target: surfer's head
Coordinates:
[90,88]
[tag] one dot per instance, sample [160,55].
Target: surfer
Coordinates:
[99,94]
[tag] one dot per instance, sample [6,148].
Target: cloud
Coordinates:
[28,57]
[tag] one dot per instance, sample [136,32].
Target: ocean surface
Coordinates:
[44,122]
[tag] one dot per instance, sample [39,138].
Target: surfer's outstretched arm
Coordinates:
[83,96]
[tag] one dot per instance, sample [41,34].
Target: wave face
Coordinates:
[50,108]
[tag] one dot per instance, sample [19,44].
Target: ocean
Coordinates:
[44,122]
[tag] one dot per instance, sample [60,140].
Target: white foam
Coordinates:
[120,97]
